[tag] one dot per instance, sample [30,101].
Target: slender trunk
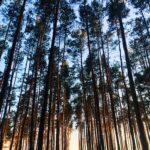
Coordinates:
[18,106]
[49,119]
[48,82]
[25,117]
[85,101]
[109,84]
[14,68]
[31,143]
[59,90]
[96,98]
[9,98]
[101,87]
[36,68]
[145,115]
[59,96]
[49,115]
[10,57]
[132,86]
[17,140]
[122,117]
[53,125]
[127,97]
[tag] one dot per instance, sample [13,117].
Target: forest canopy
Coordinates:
[80,65]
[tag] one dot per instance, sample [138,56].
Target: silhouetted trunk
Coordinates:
[85,102]
[96,98]
[10,57]
[127,96]
[110,90]
[132,86]
[101,88]
[122,120]
[48,81]
[145,114]
[59,91]
[18,106]
[53,124]
[31,144]
[49,115]
[112,105]
[19,132]
[25,116]
[9,99]
[35,70]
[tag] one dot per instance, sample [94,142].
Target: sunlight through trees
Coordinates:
[74,75]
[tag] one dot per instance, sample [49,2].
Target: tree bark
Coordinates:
[10,57]
[132,86]
[48,81]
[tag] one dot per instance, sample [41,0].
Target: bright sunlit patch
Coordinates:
[74,141]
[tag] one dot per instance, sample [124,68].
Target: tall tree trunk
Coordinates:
[9,98]
[48,81]
[10,56]
[31,143]
[101,87]
[35,70]
[25,116]
[127,97]
[18,106]
[109,84]
[96,98]
[132,86]
[59,91]
[85,101]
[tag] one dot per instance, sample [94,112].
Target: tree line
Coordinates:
[81,64]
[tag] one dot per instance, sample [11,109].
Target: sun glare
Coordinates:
[74,140]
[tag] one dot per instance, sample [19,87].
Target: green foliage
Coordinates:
[114,8]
